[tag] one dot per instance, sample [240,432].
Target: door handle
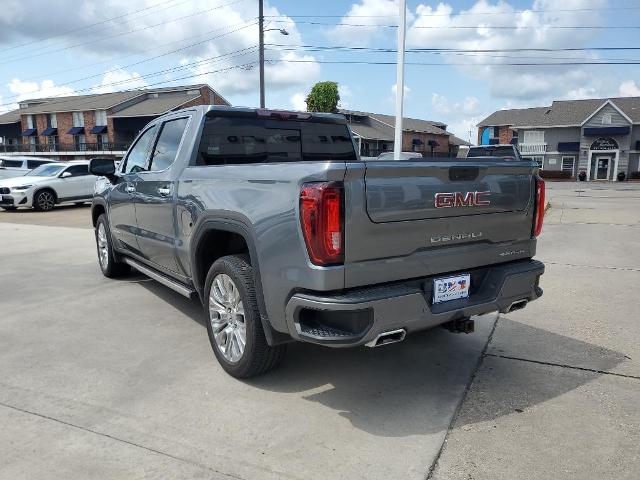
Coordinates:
[164,191]
[130,189]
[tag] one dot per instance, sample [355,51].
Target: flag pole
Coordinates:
[402,23]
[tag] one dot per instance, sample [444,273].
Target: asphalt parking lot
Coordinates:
[116,379]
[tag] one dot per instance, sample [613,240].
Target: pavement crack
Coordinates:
[121,440]
[463,397]
[604,267]
[564,365]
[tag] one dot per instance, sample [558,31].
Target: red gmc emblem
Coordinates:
[460,199]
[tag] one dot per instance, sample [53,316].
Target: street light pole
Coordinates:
[402,21]
[261,49]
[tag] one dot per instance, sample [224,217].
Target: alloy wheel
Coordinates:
[226,314]
[46,200]
[103,247]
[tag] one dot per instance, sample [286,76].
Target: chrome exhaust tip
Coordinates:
[517,305]
[386,338]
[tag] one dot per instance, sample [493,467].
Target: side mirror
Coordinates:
[102,167]
[65,175]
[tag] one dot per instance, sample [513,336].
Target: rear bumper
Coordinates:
[356,317]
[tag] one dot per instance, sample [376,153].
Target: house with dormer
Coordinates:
[599,136]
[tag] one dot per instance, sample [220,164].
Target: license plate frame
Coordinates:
[452,287]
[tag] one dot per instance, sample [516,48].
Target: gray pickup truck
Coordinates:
[271,219]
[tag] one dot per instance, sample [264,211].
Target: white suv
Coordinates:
[47,185]
[11,166]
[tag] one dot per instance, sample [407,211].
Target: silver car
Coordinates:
[16,166]
[48,185]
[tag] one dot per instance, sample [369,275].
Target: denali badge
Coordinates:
[459,199]
[456,236]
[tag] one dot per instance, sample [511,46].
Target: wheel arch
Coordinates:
[208,233]
[43,188]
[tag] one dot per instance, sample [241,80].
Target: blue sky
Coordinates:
[72,48]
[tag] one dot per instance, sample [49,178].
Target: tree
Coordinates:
[324,97]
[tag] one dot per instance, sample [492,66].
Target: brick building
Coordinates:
[77,127]
[375,134]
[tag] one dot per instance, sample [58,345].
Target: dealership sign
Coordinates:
[604,144]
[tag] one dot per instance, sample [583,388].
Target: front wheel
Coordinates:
[44,201]
[110,267]
[234,326]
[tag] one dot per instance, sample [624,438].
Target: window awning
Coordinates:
[568,146]
[29,132]
[50,132]
[76,131]
[433,143]
[416,141]
[607,130]
[98,129]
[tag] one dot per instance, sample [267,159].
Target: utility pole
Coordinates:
[402,23]
[261,48]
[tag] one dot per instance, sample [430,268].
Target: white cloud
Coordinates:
[367,12]
[46,88]
[629,88]
[394,91]
[119,79]
[297,101]
[490,26]
[460,116]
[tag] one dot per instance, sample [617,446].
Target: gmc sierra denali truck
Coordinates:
[271,219]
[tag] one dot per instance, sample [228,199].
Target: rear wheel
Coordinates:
[44,200]
[110,267]
[234,326]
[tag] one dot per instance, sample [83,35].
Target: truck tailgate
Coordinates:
[417,218]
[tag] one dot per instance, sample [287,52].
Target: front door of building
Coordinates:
[603,167]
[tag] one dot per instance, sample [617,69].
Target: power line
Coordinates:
[112,60]
[225,56]
[92,25]
[475,27]
[364,62]
[123,33]
[513,12]
[474,50]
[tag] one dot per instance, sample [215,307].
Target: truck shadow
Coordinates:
[414,387]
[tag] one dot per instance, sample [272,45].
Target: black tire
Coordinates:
[110,266]
[258,357]
[9,209]
[44,200]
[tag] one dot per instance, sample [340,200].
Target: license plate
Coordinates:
[451,288]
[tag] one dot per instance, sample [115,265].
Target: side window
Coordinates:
[31,164]
[137,157]
[78,170]
[166,149]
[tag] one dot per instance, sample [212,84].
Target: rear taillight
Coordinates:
[322,221]
[539,211]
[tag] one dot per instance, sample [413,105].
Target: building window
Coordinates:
[52,120]
[78,119]
[101,118]
[606,119]
[533,137]
[103,141]
[79,142]
[567,164]
[29,121]
[52,141]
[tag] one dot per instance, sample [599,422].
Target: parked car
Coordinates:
[48,185]
[403,155]
[502,151]
[284,234]
[15,166]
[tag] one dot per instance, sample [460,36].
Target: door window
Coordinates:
[137,158]
[166,149]
[567,164]
[78,170]
[31,164]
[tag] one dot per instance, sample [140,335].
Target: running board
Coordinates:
[160,278]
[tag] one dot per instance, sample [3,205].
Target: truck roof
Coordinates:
[262,112]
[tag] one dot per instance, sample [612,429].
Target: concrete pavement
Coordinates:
[116,379]
[557,394]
